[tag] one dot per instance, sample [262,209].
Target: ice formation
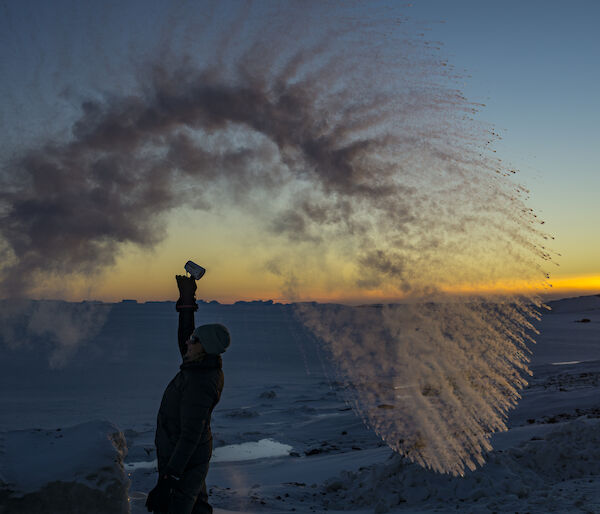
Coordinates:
[58,468]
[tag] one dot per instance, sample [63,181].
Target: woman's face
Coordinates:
[194,349]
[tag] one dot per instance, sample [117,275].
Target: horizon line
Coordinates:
[548,297]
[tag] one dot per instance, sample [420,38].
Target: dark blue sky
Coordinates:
[535,66]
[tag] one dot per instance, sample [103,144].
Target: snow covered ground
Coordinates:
[284,438]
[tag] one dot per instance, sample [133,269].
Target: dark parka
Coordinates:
[183,423]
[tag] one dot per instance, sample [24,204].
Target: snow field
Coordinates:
[277,389]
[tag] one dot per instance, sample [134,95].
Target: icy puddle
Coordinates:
[144,464]
[265,448]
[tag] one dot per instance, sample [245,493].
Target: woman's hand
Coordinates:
[186,285]
[187,289]
[158,498]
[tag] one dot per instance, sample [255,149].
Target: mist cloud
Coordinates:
[434,380]
[347,138]
[56,328]
[340,140]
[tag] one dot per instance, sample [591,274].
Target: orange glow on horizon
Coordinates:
[589,284]
[554,286]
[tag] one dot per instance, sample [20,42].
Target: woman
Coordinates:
[183,436]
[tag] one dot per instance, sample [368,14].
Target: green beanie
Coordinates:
[214,338]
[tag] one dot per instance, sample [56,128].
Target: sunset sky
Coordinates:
[533,64]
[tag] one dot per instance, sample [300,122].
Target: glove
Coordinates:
[158,498]
[187,289]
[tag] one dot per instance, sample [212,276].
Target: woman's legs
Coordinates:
[190,495]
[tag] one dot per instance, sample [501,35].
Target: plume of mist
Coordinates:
[433,380]
[345,136]
[56,328]
[348,140]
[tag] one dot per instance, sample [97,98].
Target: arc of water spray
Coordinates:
[353,145]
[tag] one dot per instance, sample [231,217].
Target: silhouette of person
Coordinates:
[183,435]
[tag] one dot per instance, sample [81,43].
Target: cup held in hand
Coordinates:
[194,270]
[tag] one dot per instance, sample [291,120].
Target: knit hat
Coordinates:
[214,338]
